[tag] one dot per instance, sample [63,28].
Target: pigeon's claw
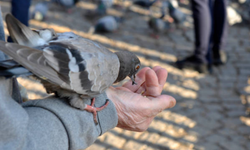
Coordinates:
[92,109]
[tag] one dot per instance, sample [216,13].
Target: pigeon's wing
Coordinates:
[20,33]
[89,70]
[33,60]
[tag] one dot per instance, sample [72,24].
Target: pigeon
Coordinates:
[145,3]
[67,4]
[158,25]
[69,65]
[40,11]
[178,16]
[108,24]
[101,9]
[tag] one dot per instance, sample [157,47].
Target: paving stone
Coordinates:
[208,99]
[228,145]
[133,145]
[158,126]
[207,123]
[216,138]
[239,139]
[247,145]
[226,85]
[231,123]
[231,99]
[245,71]
[167,143]
[215,115]
[96,147]
[201,131]
[150,137]
[208,146]
[236,113]
[234,106]
[244,130]
[114,140]
[132,134]
[207,92]
[227,131]
[214,107]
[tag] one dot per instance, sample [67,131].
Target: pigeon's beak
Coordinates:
[133,79]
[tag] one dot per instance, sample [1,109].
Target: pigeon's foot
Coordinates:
[92,109]
[69,11]
[155,36]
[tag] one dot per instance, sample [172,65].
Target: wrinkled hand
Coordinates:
[137,105]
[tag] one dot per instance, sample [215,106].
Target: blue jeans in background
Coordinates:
[20,10]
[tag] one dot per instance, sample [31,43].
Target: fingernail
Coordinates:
[172,104]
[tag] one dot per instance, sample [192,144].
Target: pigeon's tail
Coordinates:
[20,33]
[10,69]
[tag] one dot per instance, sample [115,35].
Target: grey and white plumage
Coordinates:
[158,25]
[144,3]
[107,24]
[178,16]
[67,64]
[66,3]
[40,11]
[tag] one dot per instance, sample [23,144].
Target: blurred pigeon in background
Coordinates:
[67,4]
[68,65]
[108,24]
[144,3]
[40,11]
[178,16]
[101,9]
[158,25]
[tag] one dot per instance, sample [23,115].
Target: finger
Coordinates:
[155,68]
[140,78]
[160,103]
[141,89]
[151,79]
[162,75]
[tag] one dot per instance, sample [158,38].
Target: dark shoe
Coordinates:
[221,59]
[193,63]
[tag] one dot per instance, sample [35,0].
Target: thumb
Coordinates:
[162,102]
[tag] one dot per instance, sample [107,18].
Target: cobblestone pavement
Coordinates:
[211,111]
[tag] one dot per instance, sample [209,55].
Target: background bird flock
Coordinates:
[166,19]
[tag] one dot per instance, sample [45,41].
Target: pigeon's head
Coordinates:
[129,65]
[47,34]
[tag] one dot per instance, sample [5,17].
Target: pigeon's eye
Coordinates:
[137,67]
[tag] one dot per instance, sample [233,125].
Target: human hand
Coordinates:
[137,105]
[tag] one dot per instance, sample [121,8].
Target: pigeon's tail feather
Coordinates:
[10,68]
[14,72]
[8,64]
[20,33]
[32,59]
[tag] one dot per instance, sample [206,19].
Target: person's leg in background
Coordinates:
[203,27]
[20,10]
[220,31]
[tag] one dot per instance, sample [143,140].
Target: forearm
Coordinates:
[49,123]
[72,127]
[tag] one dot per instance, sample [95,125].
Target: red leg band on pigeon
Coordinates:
[94,110]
